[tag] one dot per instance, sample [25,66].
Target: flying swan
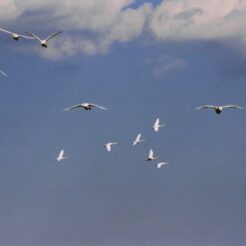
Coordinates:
[219,109]
[43,42]
[86,106]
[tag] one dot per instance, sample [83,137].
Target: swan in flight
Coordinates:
[151,156]
[61,156]
[138,140]
[43,42]
[86,106]
[3,73]
[160,164]
[157,125]
[15,36]
[108,146]
[219,109]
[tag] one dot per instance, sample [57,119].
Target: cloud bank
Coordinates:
[92,26]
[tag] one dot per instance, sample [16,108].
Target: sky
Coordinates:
[141,60]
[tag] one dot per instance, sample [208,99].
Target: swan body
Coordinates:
[151,156]
[137,140]
[61,156]
[157,125]
[160,164]
[108,146]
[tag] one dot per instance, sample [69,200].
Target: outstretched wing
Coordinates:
[72,107]
[27,37]
[97,106]
[3,73]
[207,106]
[232,106]
[52,35]
[151,154]
[108,147]
[3,30]
[156,125]
[59,157]
[34,36]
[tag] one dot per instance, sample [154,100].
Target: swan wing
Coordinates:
[53,35]
[34,36]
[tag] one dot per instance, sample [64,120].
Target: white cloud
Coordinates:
[91,26]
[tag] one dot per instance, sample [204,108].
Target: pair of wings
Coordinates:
[46,39]
[108,146]
[81,105]
[12,33]
[214,107]
[138,139]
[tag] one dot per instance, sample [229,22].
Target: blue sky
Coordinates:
[101,198]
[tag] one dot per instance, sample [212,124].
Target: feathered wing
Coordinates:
[3,73]
[23,36]
[206,106]
[156,125]
[60,155]
[97,106]
[232,106]
[151,154]
[72,107]
[53,35]
[108,147]
[34,36]
[3,30]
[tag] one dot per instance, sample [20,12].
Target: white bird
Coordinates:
[160,164]
[15,36]
[108,146]
[219,109]
[151,156]
[61,156]
[157,125]
[86,106]
[43,42]
[138,139]
[3,73]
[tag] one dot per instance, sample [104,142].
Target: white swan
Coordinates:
[43,42]
[160,164]
[61,156]
[86,106]
[108,146]
[219,109]
[3,73]
[138,140]
[151,156]
[157,125]
[15,36]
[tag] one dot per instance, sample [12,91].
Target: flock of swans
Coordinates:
[89,106]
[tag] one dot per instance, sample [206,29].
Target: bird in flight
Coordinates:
[137,140]
[108,146]
[3,73]
[44,42]
[15,36]
[160,164]
[151,156]
[157,125]
[86,106]
[219,109]
[61,156]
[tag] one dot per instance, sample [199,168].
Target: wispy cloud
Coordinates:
[166,68]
